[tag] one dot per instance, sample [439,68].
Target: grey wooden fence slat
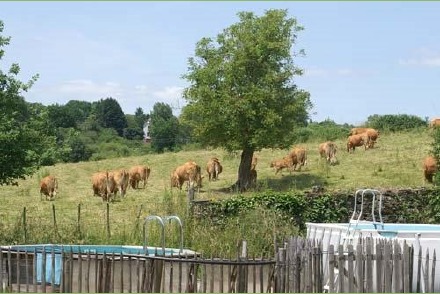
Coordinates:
[331,261]
[369,267]
[388,268]
[433,271]
[406,268]
[426,273]
[17,264]
[350,268]
[87,277]
[379,267]
[359,268]
[79,278]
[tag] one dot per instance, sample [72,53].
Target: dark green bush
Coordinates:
[395,122]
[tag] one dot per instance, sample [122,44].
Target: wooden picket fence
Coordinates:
[299,266]
[371,266]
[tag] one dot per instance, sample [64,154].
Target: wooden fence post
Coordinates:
[242,270]
[54,220]
[78,225]
[108,220]
[24,225]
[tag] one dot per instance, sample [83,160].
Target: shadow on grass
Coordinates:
[296,180]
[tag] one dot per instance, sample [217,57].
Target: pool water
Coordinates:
[418,228]
[94,249]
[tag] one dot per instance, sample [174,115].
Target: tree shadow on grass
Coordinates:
[296,181]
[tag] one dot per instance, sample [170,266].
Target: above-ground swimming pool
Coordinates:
[49,264]
[363,223]
[98,249]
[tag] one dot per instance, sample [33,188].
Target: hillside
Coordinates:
[395,162]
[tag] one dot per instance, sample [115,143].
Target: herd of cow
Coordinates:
[298,155]
[108,183]
[105,184]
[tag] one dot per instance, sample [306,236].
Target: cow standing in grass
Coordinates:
[48,187]
[118,181]
[189,172]
[354,141]
[137,174]
[299,157]
[285,162]
[429,168]
[328,150]
[213,168]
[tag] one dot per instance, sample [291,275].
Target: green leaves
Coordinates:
[241,93]
[20,145]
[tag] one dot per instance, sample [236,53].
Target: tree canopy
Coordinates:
[19,142]
[164,128]
[241,94]
[109,114]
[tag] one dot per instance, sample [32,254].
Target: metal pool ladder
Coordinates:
[163,221]
[356,217]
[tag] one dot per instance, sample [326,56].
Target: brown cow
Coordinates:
[372,135]
[190,172]
[139,173]
[429,168]
[285,162]
[357,131]
[213,168]
[100,185]
[356,141]
[328,151]
[118,181]
[49,187]
[435,122]
[254,162]
[299,155]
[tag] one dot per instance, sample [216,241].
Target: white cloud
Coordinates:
[83,88]
[425,57]
[129,97]
[170,95]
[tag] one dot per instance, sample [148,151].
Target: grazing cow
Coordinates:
[356,141]
[299,155]
[328,151]
[357,131]
[100,185]
[118,181]
[138,173]
[254,162]
[285,162]
[49,187]
[190,172]
[435,122]
[429,168]
[371,134]
[213,168]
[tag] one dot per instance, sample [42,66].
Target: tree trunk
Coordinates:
[244,171]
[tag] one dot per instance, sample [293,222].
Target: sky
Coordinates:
[362,58]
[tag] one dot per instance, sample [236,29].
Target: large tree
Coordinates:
[109,114]
[164,128]
[241,94]
[19,156]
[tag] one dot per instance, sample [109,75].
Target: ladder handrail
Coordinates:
[162,221]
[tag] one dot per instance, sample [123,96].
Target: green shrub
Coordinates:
[395,122]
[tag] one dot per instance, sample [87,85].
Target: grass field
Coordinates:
[395,162]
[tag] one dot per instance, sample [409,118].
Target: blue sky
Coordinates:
[362,58]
